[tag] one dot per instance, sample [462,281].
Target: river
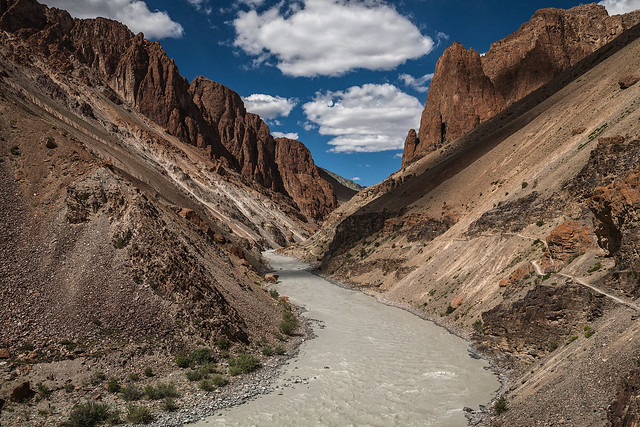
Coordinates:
[370,365]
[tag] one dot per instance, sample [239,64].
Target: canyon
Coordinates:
[136,206]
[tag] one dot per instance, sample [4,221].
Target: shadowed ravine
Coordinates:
[369,365]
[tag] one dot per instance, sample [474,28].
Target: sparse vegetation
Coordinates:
[134,377]
[500,406]
[553,345]
[169,404]
[139,414]
[113,386]
[595,268]
[120,242]
[131,393]
[449,310]
[43,391]
[524,184]
[207,385]
[280,350]
[540,223]
[182,360]
[97,378]
[588,332]
[200,356]
[572,339]
[91,414]
[219,380]
[69,387]
[267,351]
[223,343]
[148,372]
[160,391]
[243,364]
[477,326]
[274,294]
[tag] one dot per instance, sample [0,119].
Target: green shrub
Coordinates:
[89,414]
[220,380]
[97,378]
[274,294]
[120,242]
[289,323]
[449,310]
[540,223]
[280,350]
[139,414]
[182,360]
[134,377]
[169,404]
[113,386]
[148,372]
[524,184]
[500,406]
[223,343]
[596,267]
[131,393]
[588,333]
[243,364]
[207,385]
[477,326]
[552,346]
[200,355]
[43,391]
[194,375]
[572,339]
[160,391]
[267,351]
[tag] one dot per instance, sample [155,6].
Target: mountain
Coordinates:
[134,209]
[468,88]
[344,188]
[521,234]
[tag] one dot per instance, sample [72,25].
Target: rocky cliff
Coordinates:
[139,73]
[468,88]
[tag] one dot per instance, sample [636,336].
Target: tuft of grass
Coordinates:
[267,351]
[139,414]
[121,242]
[274,294]
[69,387]
[552,346]
[500,406]
[169,404]
[220,380]
[97,378]
[477,326]
[572,339]
[148,372]
[243,364]
[596,267]
[134,376]
[207,385]
[289,322]
[223,343]
[540,223]
[113,386]
[182,360]
[90,414]
[131,393]
[160,391]
[280,350]
[200,356]
[43,391]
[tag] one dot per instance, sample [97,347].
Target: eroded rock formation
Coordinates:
[468,89]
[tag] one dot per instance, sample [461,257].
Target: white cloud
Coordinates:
[133,13]
[366,118]
[355,178]
[290,135]
[397,156]
[267,106]
[330,37]
[618,7]
[201,5]
[419,84]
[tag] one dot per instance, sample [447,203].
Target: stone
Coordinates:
[457,301]
[628,81]
[271,278]
[219,238]
[21,392]
[468,89]
[578,131]
[235,250]
[567,241]
[4,353]
[49,142]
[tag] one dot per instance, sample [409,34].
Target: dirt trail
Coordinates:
[629,304]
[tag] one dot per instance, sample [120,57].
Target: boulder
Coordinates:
[628,81]
[21,392]
[4,353]
[271,278]
[49,142]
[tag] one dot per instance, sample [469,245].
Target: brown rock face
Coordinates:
[21,392]
[468,89]
[624,411]
[302,180]
[139,72]
[566,241]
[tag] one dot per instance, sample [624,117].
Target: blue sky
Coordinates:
[346,77]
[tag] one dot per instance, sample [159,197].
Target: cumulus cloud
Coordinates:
[355,178]
[133,13]
[330,37]
[366,118]
[618,7]
[290,135]
[269,107]
[419,84]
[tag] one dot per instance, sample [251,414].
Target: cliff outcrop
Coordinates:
[138,72]
[468,88]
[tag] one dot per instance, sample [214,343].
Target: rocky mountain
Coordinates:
[344,188]
[521,234]
[468,88]
[138,72]
[134,206]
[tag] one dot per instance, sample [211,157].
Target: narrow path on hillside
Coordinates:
[629,304]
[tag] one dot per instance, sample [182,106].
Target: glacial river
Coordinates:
[370,365]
